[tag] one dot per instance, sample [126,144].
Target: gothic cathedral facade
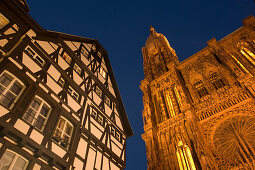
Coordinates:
[60,107]
[200,113]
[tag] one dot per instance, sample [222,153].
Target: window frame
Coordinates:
[63,81]
[200,88]
[72,93]
[29,50]
[7,89]
[102,72]
[38,113]
[98,91]
[66,57]
[63,132]
[77,69]
[106,98]
[13,161]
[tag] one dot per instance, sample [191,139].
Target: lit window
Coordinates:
[11,160]
[240,64]
[98,91]
[199,86]
[216,81]
[184,157]
[177,96]
[67,58]
[3,21]
[118,136]
[10,89]
[249,55]
[84,51]
[33,55]
[61,82]
[107,101]
[94,114]
[63,132]
[77,69]
[100,119]
[170,105]
[73,93]
[102,72]
[37,113]
[112,131]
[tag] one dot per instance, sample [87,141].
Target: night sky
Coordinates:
[122,27]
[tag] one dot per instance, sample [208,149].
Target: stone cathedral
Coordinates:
[199,113]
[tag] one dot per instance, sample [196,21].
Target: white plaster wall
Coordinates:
[55,74]
[96,98]
[57,150]
[95,131]
[77,78]
[21,126]
[78,164]
[72,103]
[98,160]
[3,111]
[62,63]
[115,149]
[36,136]
[108,110]
[29,63]
[105,163]
[46,46]
[53,85]
[82,148]
[118,122]
[90,159]
[114,167]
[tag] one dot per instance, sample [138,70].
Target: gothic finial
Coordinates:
[152,30]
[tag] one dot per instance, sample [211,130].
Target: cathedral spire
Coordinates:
[158,55]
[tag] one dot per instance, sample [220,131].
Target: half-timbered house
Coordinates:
[60,107]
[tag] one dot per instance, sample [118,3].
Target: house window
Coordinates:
[36,58]
[77,69]
[67,58]
[73,93]
[61,82]
[216,81]
[3,21]
[118,136]
[10,89]
[100,119]
[102,72]
[94,114]
[107,101]
[84,51]
[112,131]
[11,160]
[199,86]
[63,132]
[37,113]
[98,91]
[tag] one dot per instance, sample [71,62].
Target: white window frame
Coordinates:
[102,72]
[67,58]
[15,159]
[94,114]
[10,85]
[98,91]
[100,119]
[35,56]
[73,93]
[38,113]
[118,136]
[113,131]
[63,131]
[61,81]
[107,101]
[77,69]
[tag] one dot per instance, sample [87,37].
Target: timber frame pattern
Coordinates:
[85,126]
[199,113]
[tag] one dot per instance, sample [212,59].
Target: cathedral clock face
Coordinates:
[234,140]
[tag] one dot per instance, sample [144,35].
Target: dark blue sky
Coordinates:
[122,27]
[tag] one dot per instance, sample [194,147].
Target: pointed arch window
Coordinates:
[170,105]
[216,81]
[10,89]
[239,63]
[246,52]
[200,88]
[184,157]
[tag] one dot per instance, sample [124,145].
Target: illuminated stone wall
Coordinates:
[199,113]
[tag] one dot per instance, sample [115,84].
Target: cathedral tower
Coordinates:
[199,113]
